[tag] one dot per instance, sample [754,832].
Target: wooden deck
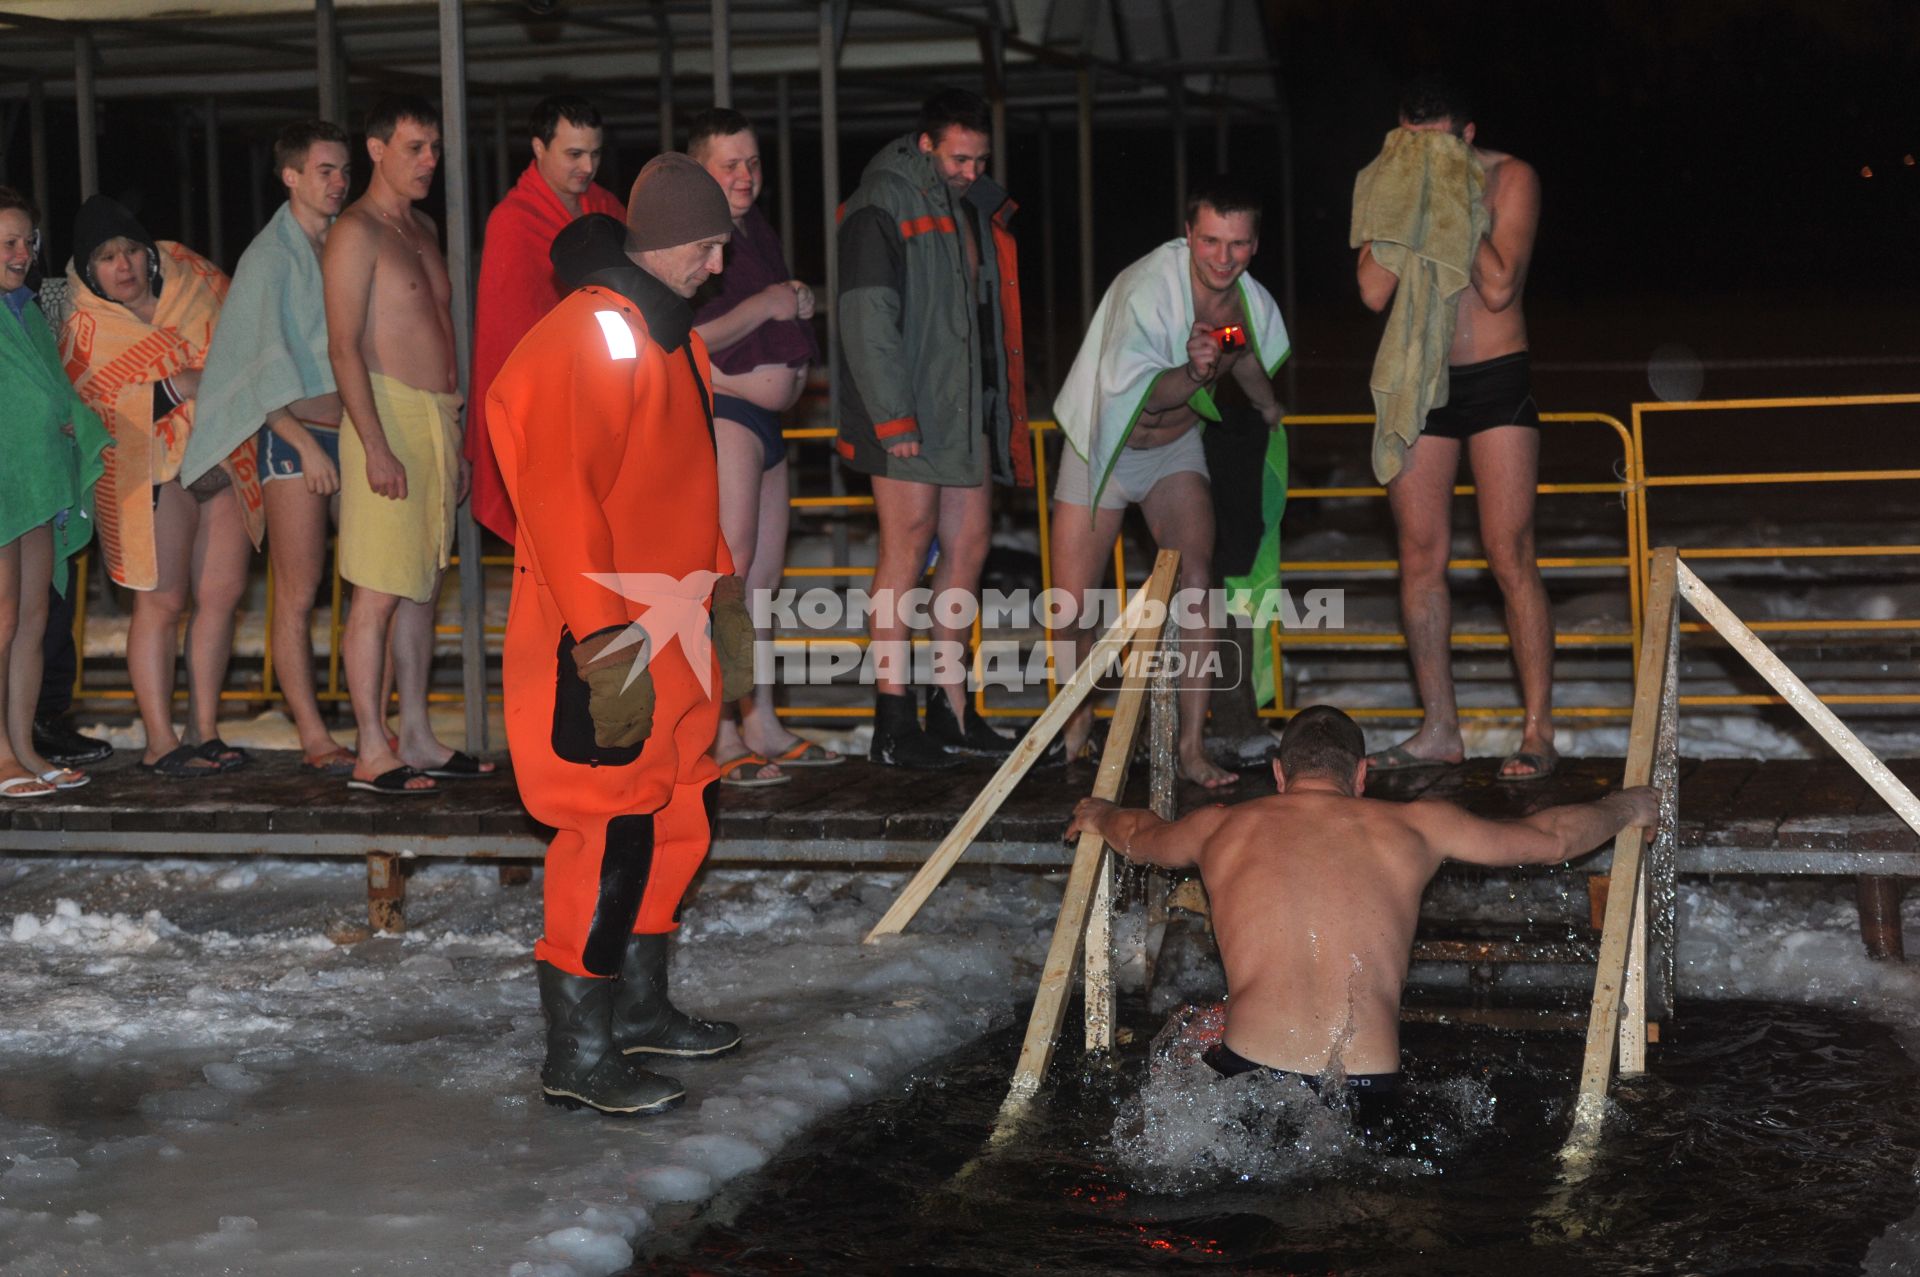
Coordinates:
[1736,816]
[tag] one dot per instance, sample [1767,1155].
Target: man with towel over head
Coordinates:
[1170,327]
[268,377]
[627,628]
[390,340]
[1445,231]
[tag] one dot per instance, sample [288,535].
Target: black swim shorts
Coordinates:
[1493,392]
[1372,1098]
[764,423]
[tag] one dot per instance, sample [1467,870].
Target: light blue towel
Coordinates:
[270,348]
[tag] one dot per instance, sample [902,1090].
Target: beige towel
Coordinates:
[1420,205]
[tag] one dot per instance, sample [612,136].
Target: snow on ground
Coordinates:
[207,1067]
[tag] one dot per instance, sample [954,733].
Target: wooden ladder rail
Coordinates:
[1138,616]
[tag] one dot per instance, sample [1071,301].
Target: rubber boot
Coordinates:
[975,739]
[898,740]
[583,1068]
[644,1022]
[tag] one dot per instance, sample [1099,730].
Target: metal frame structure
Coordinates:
[251,64]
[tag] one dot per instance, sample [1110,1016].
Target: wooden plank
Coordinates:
[1623,901]
[1706,796]
[1162,725]
[1032,745]
[1796,693]
[1089,864]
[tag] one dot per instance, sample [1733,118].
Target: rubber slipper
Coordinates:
[1543,766]
[756,780]
[460,766]
[179,762]
[806,753]
[339,763]
[65,777]
[26,787]
[1398,758]
[223,756]
[393,781]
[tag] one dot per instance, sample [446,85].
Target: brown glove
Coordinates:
[622,711]
[732,626]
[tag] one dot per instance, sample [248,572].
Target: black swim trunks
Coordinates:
[764,423]
[1493,392]
[1372,1098]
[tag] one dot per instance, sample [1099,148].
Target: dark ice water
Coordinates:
[1766,1139]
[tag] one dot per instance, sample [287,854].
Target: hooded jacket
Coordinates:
[923,359]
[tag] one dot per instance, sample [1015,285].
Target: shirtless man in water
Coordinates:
[1316,891]
[390,339]
[1161,465]
[1491,412]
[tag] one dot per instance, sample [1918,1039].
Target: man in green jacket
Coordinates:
[933,404]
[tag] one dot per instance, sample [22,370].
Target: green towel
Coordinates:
[1250,595]
[1420,205]
[47,476]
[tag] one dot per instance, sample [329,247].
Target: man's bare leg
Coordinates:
[966,527]
[1421,496]
[760,728]
[740,454]
[412,647]
[365,641]
[1078,548]
[222,555]
[908,514]
[297,542]
[1506,468]
[1179,511]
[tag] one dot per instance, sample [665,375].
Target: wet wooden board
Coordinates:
[1794,815]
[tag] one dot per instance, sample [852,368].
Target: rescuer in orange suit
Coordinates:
[626,630]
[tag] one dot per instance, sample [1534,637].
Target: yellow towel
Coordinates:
[1420,205]
[400,547]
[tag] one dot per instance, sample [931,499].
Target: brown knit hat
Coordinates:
[674,202]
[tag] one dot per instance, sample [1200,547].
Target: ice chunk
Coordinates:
[674,1183]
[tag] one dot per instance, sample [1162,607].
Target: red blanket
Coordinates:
[517,289]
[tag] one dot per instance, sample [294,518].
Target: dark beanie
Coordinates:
[102,218]
[674,202]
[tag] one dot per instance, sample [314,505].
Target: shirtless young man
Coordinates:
[1316,891]
[1159,464]
[1491,409]
[390,339]
[300,453]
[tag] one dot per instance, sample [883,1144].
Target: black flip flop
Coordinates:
[461,766]
[223,756]
[178,764]
[392,781]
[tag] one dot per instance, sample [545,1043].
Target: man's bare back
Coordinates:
[1315,894]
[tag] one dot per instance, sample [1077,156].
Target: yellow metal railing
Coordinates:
[1632,491]
[1648,482]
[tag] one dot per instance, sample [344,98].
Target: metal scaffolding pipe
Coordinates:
[1049,263]
[783,156]
[830,221]
[453,116]
[183,175]
[87,107]
[1180,180]
[37,135]
[1288,298]
[722,53]
[1222,124]
[257,162]
[666,74]
[502,161]
[1085,78]
[216,230]
[326,47]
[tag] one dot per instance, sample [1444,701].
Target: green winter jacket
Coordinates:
[47,475]
[914,366]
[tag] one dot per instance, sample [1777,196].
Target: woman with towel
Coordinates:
[143,314]
[52,443]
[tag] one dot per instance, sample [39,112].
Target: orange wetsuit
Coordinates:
[602,423]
